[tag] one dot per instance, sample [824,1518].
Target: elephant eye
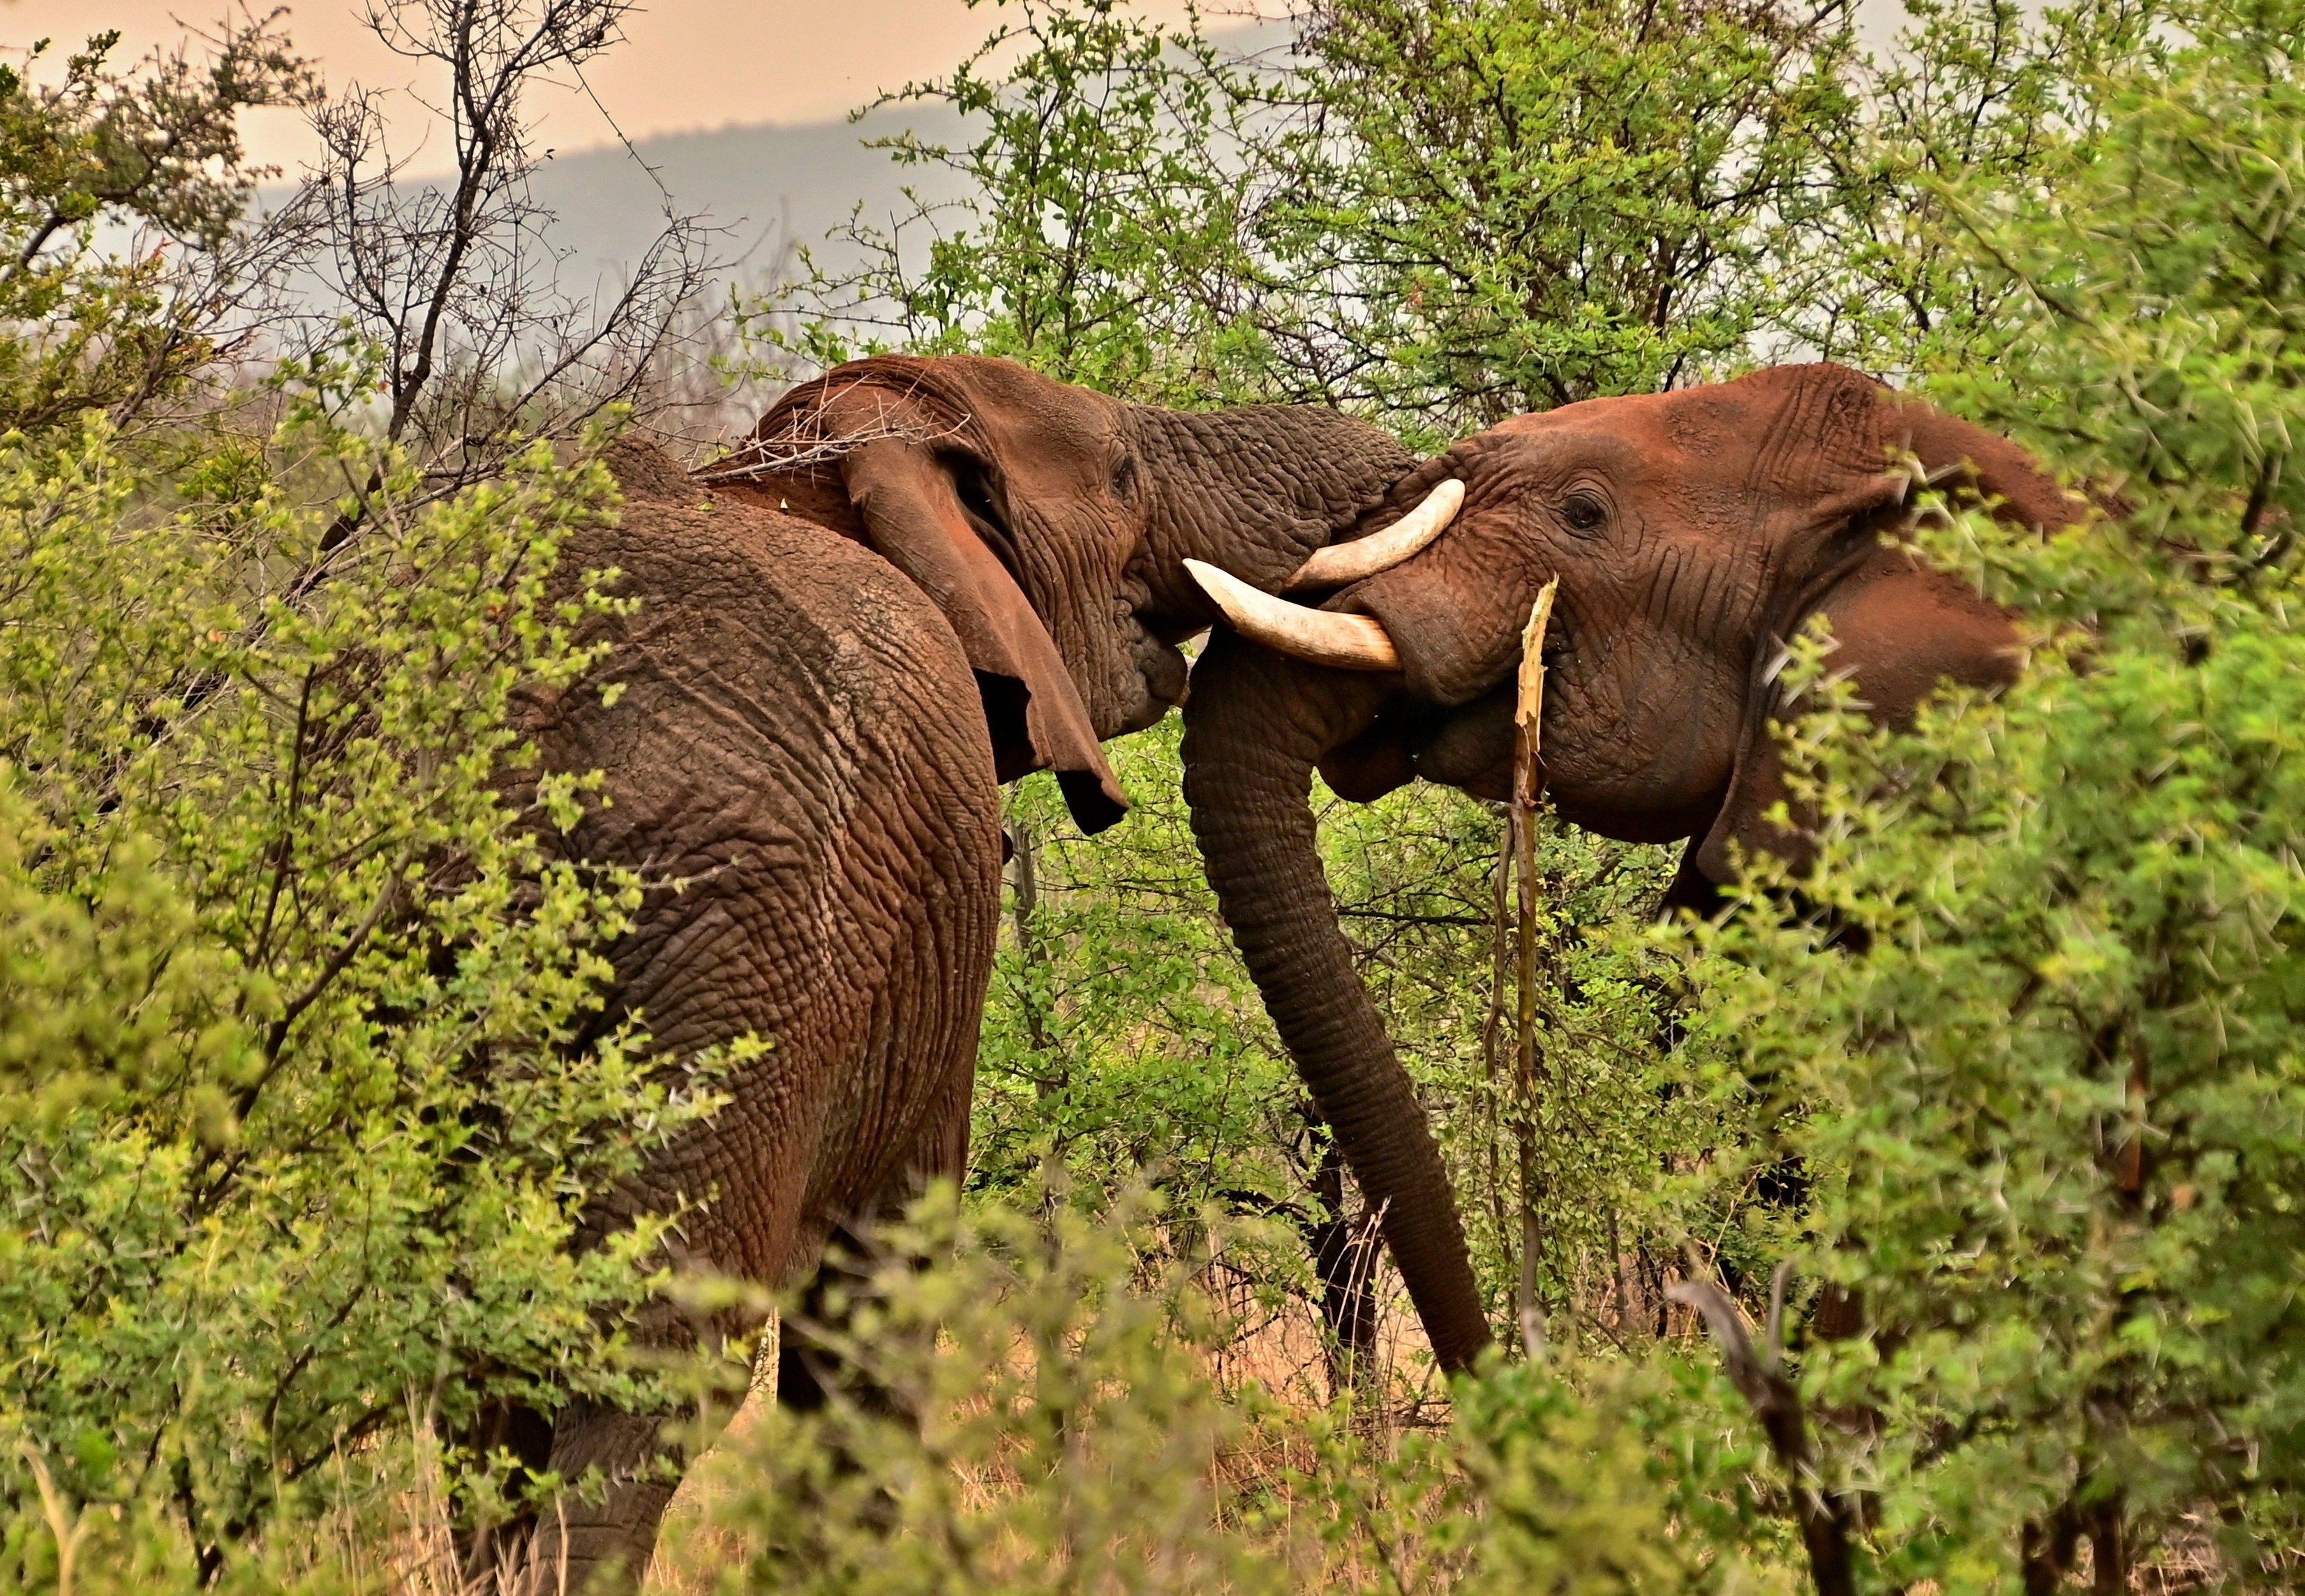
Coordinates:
[1584,512]
[1124,478]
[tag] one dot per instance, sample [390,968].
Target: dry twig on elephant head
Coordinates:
[805,439]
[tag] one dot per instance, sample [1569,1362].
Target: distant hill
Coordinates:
[760,185]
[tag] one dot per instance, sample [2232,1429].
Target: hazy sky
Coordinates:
[686,64]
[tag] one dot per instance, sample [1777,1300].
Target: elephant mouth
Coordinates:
[1557,652]
[1160,674]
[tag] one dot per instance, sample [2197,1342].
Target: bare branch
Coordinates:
[456,284]
[1776,1403]
[806,440]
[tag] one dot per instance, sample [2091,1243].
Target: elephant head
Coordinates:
[1693,532]
[1050,523]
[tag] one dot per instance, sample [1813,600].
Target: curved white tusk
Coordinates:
[1340,563]
[1349,642]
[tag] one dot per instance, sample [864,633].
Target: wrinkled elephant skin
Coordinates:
[798,764]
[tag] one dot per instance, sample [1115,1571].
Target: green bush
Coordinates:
[292,1131]
[294,1123]
[1067,1429]
[2056,1108]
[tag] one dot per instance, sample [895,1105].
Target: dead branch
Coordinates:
[806,439]
[1527,791]
[1776,1403]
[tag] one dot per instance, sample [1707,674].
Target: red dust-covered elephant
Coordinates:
[1693,533]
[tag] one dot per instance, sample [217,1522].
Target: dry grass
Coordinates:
[1278,1351]
[1279,1354]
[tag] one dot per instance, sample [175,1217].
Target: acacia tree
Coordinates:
[1102,220]
[1989,95]
[2053,1111]
[126,332]
[1502,207]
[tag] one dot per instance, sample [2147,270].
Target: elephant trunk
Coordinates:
[1254,491]
[1255,725]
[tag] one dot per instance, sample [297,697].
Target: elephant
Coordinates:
[1693,532]
[917,580]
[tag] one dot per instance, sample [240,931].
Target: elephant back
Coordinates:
[792,755]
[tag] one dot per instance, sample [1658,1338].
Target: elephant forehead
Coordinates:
[1614,440]
[1029,394]
[1719,510]
[1042,427]
[1054,449]
[1700,431]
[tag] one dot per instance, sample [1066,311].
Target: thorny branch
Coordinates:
[456,286]
[1776,1403]
[806,439]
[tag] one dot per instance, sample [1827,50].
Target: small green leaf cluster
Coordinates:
[1101,222]
[117,322]
[1609,1476]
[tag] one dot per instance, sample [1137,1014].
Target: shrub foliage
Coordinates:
[1991,1128]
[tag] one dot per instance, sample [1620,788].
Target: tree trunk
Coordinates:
[1344,1257]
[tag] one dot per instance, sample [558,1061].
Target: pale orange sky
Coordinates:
[686,64]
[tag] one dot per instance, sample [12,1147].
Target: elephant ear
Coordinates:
[1900,626]
[913,519]
[880,450]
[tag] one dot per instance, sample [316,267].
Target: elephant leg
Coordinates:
[599,1544]
[600,1538]
[916,1042]
[924,1044]
[601,1541]
[812,1370]
[1691,889]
